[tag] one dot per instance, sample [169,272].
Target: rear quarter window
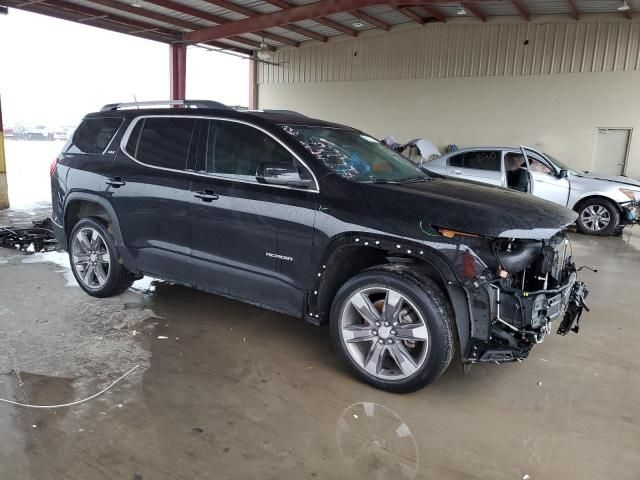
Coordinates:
[478,160]
[93,135]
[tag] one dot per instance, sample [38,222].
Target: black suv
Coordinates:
[319,221]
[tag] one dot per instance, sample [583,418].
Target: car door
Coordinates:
[249,240]
[478,165]
[546,182]
[150,192]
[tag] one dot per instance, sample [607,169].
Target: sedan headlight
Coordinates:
[634,195]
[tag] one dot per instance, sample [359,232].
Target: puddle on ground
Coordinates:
[375,443]
[145,285]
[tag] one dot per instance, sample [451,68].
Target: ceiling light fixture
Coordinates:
[624,7]
[264,53]
[136,4]
[358,24]
[461,10]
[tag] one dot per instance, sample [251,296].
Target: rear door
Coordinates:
[479,165]
[150,192]
[249,240]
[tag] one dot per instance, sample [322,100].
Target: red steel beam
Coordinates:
[178,71]
[370,20]
[474,11]
[407,12]
[294,14]
[574,10]
[522,10]
[338,27]
[202,15]
[321,20]
[247,12]
[83,12]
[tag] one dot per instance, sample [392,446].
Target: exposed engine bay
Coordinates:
[527,285]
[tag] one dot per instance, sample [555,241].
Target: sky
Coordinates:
[53,72]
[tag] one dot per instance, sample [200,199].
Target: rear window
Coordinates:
[162,142]
[481,160]
[93,135]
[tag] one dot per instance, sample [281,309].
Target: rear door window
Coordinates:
[93,135]
[477,160]
[162,141]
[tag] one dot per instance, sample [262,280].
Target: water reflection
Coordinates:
[375,443]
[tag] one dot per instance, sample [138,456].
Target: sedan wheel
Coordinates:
[384,333]
[598,217]
[595,218]
[90,258]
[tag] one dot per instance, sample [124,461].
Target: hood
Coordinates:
[610,178]
[469,207]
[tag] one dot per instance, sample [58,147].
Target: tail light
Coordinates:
[53,166]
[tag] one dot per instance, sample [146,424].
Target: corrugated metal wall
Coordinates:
[464,50]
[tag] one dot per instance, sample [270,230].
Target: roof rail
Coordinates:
[278,112]
[155,103]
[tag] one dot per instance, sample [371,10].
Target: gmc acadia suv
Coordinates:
[319,221]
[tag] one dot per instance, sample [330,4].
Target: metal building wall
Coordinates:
[464,50]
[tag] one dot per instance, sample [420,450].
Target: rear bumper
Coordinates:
[60,234]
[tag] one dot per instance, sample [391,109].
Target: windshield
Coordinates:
[561,165]
[355,155]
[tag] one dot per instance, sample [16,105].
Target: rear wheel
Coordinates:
[394,328]
[598,217]
[94,260]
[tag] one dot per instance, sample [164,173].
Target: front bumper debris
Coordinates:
[574,309]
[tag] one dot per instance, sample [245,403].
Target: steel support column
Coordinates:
[253,84]
[178,71]
[4,190]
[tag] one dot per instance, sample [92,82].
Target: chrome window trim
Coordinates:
[127,134]
[115,134]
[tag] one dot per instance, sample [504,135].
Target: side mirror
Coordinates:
[563,173]
[283,173]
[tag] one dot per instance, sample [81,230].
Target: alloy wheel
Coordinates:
[384,333]
[91,259]
[595,218]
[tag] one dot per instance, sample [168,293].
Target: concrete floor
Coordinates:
[239,392]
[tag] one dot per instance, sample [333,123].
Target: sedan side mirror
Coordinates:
[280,173]
[563,173]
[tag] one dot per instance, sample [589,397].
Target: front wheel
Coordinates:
[394,328]
[94,260]
[598,217]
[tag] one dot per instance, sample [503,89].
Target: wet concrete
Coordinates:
[234,391]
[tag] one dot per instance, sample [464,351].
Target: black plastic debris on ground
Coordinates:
[37,238]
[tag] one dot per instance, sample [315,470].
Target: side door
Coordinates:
[250,240]
[478,165]
[150,192]
[545,180]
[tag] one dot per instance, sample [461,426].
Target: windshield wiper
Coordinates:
[413,180]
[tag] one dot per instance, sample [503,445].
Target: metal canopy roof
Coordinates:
[242,25]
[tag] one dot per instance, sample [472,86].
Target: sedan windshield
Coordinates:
[561,165]
[355,155]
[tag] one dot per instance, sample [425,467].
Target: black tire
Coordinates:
[598,203]
[118,278]
[433,306]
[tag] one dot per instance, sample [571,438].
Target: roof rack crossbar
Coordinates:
[154,103]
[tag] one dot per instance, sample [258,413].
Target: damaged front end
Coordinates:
[521,287]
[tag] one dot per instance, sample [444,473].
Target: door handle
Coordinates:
[459,172]
[115,182]
[206,195]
